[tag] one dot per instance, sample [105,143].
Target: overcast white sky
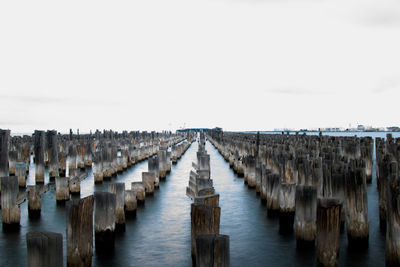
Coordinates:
[162,64]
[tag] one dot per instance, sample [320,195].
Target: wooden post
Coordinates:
[287,206]
[139,188]
[148,180]
[328,231]
[356,211]
[12,159]
[45,249]
[98,167]
[384,174]
[273,185]
[306,215]
[251,171]
[72,160]
[168,162]
[10,211]
[74,185]
[258,180]
[393,217]
[263,190]
[162,163]
[212,251]
[34,202]
[104,220]
[20,172]
[39,156]
[81,155]
[4,144]
[80,232]
[130,203]
[153,167]
[205,219]
[119,190]
[62,189]
[52,144]
[62,163]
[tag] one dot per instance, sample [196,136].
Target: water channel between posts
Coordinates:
[160,233]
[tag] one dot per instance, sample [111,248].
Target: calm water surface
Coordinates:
[160,233]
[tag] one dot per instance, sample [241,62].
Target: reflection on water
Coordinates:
[160,233]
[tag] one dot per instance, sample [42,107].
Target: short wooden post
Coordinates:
[34,201]
[10,211]
[130,203]
[4,144]
[104,220]
[139,188]
[62,189]
[306,215]
[205,219]
[148,180]
[39,156]
[328,231]
[45,249]
[212,251]
[80,232]
[119,190]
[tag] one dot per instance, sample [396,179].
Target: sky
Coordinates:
[167,64]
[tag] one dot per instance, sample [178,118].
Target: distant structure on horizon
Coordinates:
[359,128]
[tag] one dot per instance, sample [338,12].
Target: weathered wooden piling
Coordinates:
[251,171]
[52,146]
[287,206]
[20,172]
[80,159]
[139,188]
[328,231]
[148,180]
[263,189]
[393,217]
[258,179]
[4,145]
[74,185]
[45,249]
[62,163]
[273,185]
[104,220]
[356,210]
[174,154]
[306,215]
[153,167]
[34,201]
[88,153]
[130,203]
[107,161]
[80,232]
[119,190]
[62,189]
[10,211]
[98,167]
[162,163]
[12,160]
[212,251]
[39,156]
[205,219]
[384,174]
[168,163]
[72,160]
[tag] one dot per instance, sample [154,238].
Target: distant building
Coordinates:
[360,128]
[393,129]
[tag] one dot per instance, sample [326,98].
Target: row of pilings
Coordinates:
[98,215]
[319,185]
[209,248]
